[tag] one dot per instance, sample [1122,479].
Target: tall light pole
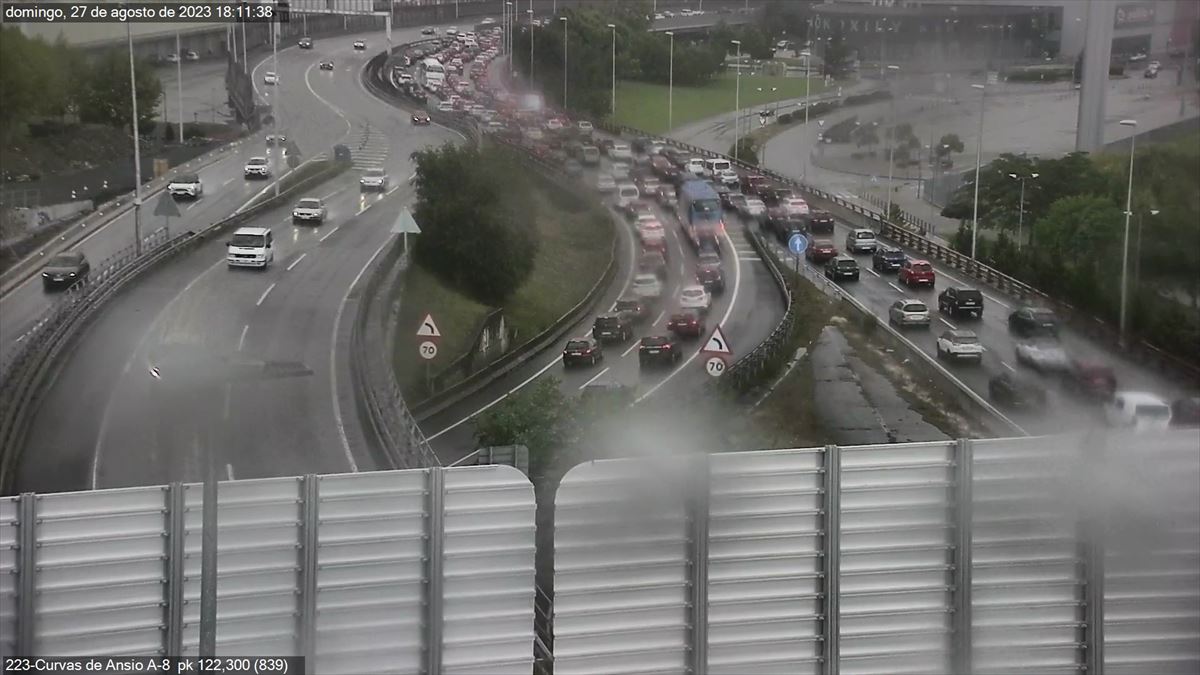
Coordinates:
[137,151]
[508,20]
[1125,243]
[807,80]
[245,60]
[887,214]
[978,154]
[563,19]
[671,82]
[737,99]
[530,13]
[1021,212]
[276,110]
[613,28]
[179,82]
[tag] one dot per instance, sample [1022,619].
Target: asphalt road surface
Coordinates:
[199,363]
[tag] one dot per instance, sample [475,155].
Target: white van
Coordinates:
[713,166]
[627,193]
[251,247]
[1138,410]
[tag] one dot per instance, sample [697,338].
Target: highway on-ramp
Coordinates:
[199,363]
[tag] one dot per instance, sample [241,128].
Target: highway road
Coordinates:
[202,363]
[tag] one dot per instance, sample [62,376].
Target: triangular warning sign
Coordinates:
[428,328]
[717,344]
[405,223]
[166,206]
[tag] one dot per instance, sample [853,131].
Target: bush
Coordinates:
[860,99]
[745,151]
[785,118]
[840,132]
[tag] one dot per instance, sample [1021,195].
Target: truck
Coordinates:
[699,211]
[433,74]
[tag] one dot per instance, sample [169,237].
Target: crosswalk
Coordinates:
[369,149]
[745,250]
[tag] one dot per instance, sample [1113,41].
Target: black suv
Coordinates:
[842,267]
[615,327]
[785,227]
[658,350]
[772,196]
[709,275]
[820,222]
[1029,321]
[65,270]
[955,301]
[887,259]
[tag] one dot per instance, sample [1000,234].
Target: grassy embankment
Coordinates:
[572,257]
[644,106]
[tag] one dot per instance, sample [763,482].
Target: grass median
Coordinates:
[574,252]
[644,106]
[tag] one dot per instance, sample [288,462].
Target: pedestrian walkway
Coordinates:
[370,149]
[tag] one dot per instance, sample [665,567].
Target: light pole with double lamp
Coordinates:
[978,154]
[671,82]
[1125,242]
[613,28]
[737,100]
[887,214]
[1021,211]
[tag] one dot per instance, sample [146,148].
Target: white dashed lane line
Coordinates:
[296,262]
[263,297]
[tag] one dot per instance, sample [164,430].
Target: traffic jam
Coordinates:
[676,200]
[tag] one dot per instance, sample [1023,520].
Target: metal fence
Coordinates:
[420,571]
[947,557]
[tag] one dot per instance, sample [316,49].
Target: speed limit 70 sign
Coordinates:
[715,366]
[428,349]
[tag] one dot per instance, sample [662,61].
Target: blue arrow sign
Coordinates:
[797,243]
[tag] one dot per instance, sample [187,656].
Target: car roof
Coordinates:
[645,277]
[911,301]
[692,287]
[252,230]
[1141,397]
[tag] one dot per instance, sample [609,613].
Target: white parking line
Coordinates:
[329,234]
[1005,364]
[952,326]
[242,338]
[227,182]
[593,378]
[296,262]
[263,297]
[898,289]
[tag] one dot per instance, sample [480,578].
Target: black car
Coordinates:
[1031,321]
[633,307]
[820,222]
[1014,392]
[327,65]
[725,198]
[686,324]
[658,350]
[427,31]
[65,270]
[842,267]
[638,145]
[887,259]
[784,226]
[420,118]
[711,277]
[955,301]
[305,43]
[586,350]
[1185,412]
[614,327]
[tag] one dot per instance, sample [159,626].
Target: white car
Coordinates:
[959,344]
[186,185]
[554,124]
[452,30]
[270,78]
[619,170]
[729,178]
[861,240]
[695,165]
[605,183]
[191,55]
[309,210]
[1043,355]
[172,58]
[360,45]
[754,208]
[1138,410]
[647,286]
[627,193]
[585,127]
[695,297]
[404,78]
[487,21]
[257,167]
[620,151]
[795,206]
[250,247]
[374,179]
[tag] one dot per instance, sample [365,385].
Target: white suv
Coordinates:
[1138,410]
[959,344]
[257,167]
[186,185]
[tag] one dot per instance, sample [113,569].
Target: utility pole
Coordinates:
[137,150]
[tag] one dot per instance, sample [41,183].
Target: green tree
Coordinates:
[755,43]
[865,135]
[476,226]
[746,151]
[538,417]
[1078,246]
[948,144]
[35,78]
[105,99]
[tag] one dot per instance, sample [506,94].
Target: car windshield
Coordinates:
[1043,315]
[66,260]
[188,178]
[849,264]
[693,293]
[965,339]
[915,307]
[578,344]
[375,173]
[864,235]
[645,280]
[1152,411]
[258,161]
[248,240]
[922,267]
[653,341]
[309,204]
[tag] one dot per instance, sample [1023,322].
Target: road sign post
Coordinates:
[167,208]
[718,353]
[405,225]
[427,332]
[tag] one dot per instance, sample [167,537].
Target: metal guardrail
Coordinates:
[38,357]
[1140,351]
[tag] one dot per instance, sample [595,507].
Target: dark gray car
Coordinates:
[65,270]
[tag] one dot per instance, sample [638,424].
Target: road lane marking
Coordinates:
[1005,364]
[500,398]
[658,318]
[242,337]
[296,262]
[229,471]
[594,378]
[952,326]
[263,297]
[898,289]
[874,272]
[330,234]
[227,182]
[333,343]
[631,348]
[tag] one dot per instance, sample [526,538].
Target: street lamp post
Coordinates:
[276,110]
[509,15]
[1125,241]
[613,28]
[737,99]
[179,82]
[1021,210]
[563,19]
[671,82]
[530,13]
[887,214]
[978,155]
[137,151]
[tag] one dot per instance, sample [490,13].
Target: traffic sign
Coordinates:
[166,206]
[715,365]
[717,344]
[428,328]
[428,349]
[405,223]
[797,243]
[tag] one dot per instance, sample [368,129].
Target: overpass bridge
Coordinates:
[1051,554]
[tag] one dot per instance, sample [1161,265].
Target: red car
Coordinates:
[821,250]
[916,273]
[1091,380]
[686,324]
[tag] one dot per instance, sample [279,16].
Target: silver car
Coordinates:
[908,312]
[1043,355]
[606,183]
